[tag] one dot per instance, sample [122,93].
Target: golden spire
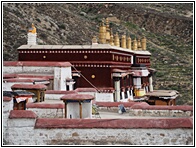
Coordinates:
[94,40]
[116,40]
[102,33]
[129,43]
[112,40]
[135,44]
[107,31]
[123,41]
[32,29]
[139,44]
[144,43]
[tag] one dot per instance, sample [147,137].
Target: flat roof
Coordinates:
[28,86]
[162,93]
[36,63]
[94,46]
[77,97]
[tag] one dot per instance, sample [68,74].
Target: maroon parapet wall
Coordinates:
[36,63]
[7,99]
[22,114]
[60,92]
[160,107]
[45,105]
[115,104]
[166,123]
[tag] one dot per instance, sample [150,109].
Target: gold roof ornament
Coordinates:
[107,31]
[32,29]
[116,40]
[139,46]
[123,41]
[102,33]
[112,40]
[94,40]
[129,43]
[144,43]
[135,44]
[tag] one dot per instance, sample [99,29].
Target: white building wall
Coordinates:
[60,76]
[7,85]
[73,110]
[104,97]
[21,135]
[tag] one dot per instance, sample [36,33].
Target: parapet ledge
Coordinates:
[45,105]
[115,104]
[86,90]
[158,107]
[145,123]
[22,114]
[7,99]
[60,92]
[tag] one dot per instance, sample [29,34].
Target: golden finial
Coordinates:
[32,29]
[94,40]
[123,41]
[135,44]
[116,40]
[139,44]
[102,33]
[129,43]
[144,43]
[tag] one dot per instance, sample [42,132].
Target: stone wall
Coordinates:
[45,131]
[38,125]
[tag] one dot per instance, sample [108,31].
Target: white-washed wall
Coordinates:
[7,85]
[60,76]
[48,112]
[104,97]
[160,113]
[28,69]
[7,107]
[27,135]
[73,110]
[53,96]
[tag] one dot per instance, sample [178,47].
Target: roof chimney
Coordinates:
[32,35]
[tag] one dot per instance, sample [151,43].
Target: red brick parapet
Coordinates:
[7,99]
[160,123]
[45,105]
[22,114]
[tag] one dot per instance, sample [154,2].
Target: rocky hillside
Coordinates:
[167,26]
